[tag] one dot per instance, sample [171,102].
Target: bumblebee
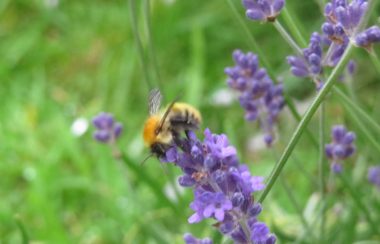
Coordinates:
[163,127]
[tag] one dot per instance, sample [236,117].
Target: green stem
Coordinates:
[293,199]
[287,37]
[306,119]
[357,199]
[359,111]
[293,27]
[363,128]
[140,50]
[375,60]
[321,169]
[297,207]
[24,233]
[149,181]
[297,116]
[152,49]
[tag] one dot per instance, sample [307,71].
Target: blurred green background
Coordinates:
[65,60]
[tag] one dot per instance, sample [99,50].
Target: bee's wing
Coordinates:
[154,102]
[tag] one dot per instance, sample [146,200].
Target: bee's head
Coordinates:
[151,130]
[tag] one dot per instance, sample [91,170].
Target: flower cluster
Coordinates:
[190,239]
[341,147]
[107,130]
[374,175]
[343,18]
[310,64]
[222,187]
[342,21]
[263,10]
[259,96]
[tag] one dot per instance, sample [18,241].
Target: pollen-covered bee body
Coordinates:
[162,127]
[183,116]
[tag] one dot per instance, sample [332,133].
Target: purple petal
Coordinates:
[255,14]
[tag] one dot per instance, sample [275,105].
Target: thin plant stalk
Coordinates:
[293,200]
[149,181]
[296,205]
[139,46]
[322,184]
[287,37]
[293,27]
[152,49]
[375,60]
[364,129]
[306,119]
[23,231]
[357,109]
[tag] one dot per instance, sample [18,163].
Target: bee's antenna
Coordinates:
[145,159]
[166,114]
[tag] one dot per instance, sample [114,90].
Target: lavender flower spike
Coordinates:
[107,131]
[222,187]
[310,64]
[263,10]
[374,175]
[259,96]
[341,147]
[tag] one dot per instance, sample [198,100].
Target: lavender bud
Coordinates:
[190,239]
[186,181]
[374,175]
[337,168]
[106,128]
[340,148]
[255,210]
[237,199]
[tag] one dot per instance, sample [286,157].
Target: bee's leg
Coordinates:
[180,142]
[187,134]
[177,139]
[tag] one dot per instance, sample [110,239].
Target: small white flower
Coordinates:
[222,97]
[79,127]
[256,143]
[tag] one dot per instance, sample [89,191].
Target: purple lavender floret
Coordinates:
[107,130]
[368,37]
[310,64]
[343,18]
[259,96]
[374,175]
[222,186]
[263,10]
[341,147]
[342,22]
[190,239]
